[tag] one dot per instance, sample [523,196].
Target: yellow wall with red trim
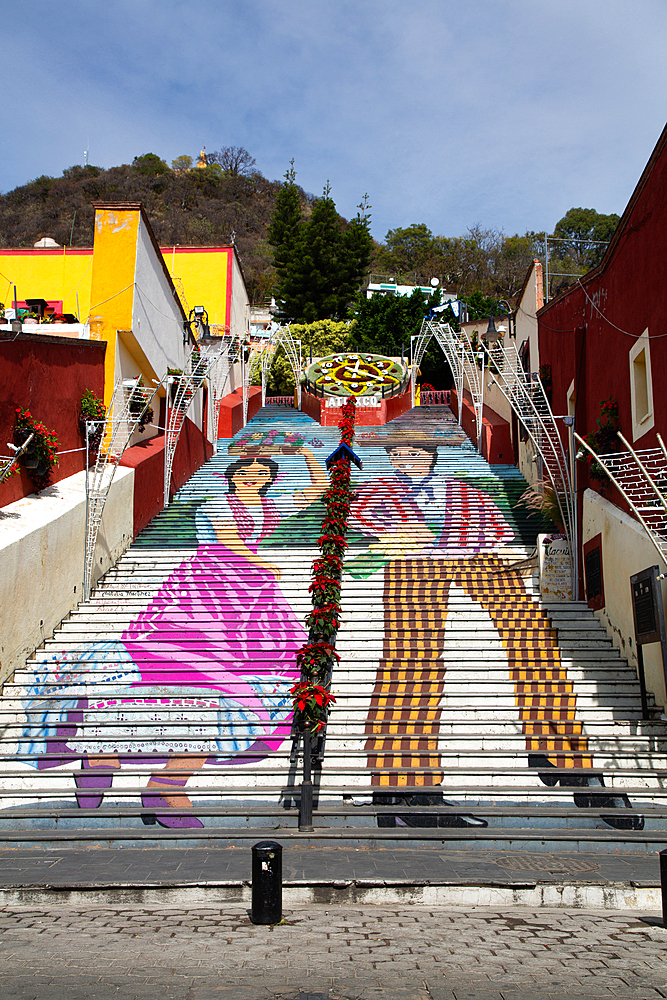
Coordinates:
[112,288]
[201,276]
[55,275]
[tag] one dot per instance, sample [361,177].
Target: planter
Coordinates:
[40,471]
[29,461]
[21,435]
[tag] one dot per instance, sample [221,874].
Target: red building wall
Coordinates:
[586,334]
[47,375]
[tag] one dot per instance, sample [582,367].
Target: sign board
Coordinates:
[555,568]
[647,606]
[336,402]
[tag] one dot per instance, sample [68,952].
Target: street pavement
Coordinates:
[320,953]
[164,866]
[62,939]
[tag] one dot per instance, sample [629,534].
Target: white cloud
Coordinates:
[504,112]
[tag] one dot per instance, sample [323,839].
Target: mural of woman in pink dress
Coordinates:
[210,660]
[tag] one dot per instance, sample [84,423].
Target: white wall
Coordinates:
[157,327]
[157,320]
[42,541]
[626,550]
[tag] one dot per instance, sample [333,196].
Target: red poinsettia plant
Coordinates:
[311,697]
[40,455]
[311,704]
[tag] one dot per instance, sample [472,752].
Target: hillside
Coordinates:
[200,207]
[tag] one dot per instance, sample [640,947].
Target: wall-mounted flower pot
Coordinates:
[29,461]
[40,471]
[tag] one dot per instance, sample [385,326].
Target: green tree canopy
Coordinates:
[584,224]
[319,261]
[325,336]
[150,165]
[182,163]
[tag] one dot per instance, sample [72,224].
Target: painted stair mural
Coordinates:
[465,707]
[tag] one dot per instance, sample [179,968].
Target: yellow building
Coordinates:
[76,281]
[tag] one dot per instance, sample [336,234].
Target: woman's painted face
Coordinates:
[252,478]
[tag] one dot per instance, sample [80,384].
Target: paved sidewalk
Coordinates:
[365,953]
[91,867]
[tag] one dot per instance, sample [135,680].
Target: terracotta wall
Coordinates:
[496,432]
[47,375]
[366,416]
[231,410]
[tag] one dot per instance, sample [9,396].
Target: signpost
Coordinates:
[649,621]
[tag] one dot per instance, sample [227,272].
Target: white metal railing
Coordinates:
[525,394]
[130,401]
[181,390]
[281,336]
[641,478]
[225,351]
[462,358]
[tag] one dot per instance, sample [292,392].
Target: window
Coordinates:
[641,386]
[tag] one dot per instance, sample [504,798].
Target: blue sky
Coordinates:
[449,112]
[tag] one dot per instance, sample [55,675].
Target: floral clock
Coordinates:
[356,374]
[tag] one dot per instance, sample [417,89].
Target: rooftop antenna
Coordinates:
[85,153]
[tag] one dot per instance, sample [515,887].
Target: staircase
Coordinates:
[466,709]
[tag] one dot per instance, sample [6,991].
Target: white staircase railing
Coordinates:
[525,394]
[462,358]
[226,352]
[181,390]
[129,402]
[281,336]
[641,478]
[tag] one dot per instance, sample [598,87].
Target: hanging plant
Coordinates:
[604,440]
[92,408]
[311,704]
[138,408]
[40,456]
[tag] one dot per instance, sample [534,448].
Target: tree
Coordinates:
[357,251]
[408,249]
[234,160]
[182,163]
[280,379]
[584,224]
[385,324]
[325,336]
[284,233]
[319,261]
[150,165]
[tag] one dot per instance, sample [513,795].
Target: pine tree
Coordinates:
[284,235]
[319,264]
[358,253]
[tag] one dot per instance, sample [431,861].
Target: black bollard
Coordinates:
[663,883]
[267,883]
